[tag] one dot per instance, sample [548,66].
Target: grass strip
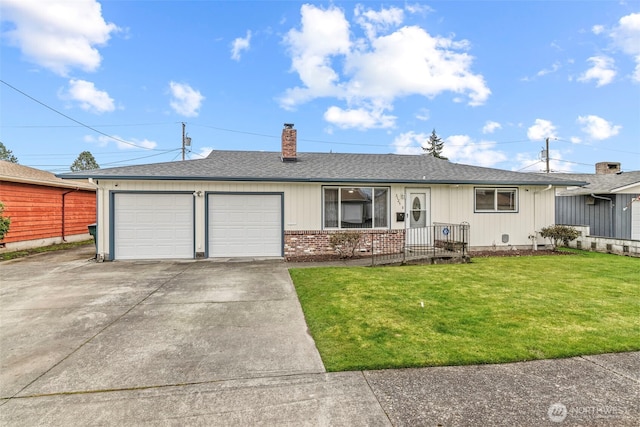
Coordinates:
[57,247]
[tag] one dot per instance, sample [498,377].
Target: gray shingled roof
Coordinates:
[322,167]
[600,183]
[13,172]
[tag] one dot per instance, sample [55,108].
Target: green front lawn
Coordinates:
[490,311]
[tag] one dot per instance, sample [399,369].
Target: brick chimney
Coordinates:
[607,168]
[289,143]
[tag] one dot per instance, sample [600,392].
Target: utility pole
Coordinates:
[186,141]
[546,156]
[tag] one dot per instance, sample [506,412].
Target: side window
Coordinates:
[496,200]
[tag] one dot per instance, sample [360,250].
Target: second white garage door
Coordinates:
[241,225]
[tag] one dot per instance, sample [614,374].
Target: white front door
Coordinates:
[417,217]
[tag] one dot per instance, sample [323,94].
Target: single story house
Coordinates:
[44,209]
[609,204]
[287,204]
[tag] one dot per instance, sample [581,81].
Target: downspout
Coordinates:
[610,213]
[534,239]
[63,214]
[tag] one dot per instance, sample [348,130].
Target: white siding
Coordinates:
[303,208]
[536,205]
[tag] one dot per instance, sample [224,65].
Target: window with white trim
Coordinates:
[355,207]
[496,200]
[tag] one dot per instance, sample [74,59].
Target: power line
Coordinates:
[76,121]
[527,167]
[78,126]
[138,158]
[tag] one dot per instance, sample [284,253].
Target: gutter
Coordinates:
[322,180]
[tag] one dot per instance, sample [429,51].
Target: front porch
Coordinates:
[440,242]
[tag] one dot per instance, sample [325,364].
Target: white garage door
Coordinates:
[153,226]
[243,225]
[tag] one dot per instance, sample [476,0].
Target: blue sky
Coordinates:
[493,78]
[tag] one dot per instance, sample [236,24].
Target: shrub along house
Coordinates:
[287,204]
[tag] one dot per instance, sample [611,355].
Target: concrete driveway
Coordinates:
[211,343]
[153,341]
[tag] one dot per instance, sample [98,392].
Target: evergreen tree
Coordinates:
[7,155]
[84,162]
[434,146]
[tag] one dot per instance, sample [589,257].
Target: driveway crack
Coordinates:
[607,368]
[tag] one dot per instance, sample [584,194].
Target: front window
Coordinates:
[356,207]
[496,200]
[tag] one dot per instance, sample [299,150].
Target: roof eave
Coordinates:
[323,180]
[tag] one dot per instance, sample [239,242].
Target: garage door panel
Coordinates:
[245,225]
[153,226]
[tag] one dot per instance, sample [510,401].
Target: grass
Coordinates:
[493,310]
[57,247]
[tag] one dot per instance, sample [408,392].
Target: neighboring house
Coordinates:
[287,204]
[609,204]
[44,209]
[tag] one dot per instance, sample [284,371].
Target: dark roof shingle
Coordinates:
[322,167]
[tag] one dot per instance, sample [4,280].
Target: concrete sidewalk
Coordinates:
[206,343]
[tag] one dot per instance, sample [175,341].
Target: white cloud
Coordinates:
[597,29]
[457,148]
[410,143]
[491,126]
[121,143]
[626,37]
[374,21]
[90,98]
[423,114]
[597,127]
[185,100]
[323,34]
[541,129]
[58,35]
[462,149]
[240,44]
[360,118]
[554,67]
[603,71]
[386,64]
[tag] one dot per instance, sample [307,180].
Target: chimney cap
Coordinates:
[288,125]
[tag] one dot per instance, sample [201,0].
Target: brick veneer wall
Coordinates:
[312,244]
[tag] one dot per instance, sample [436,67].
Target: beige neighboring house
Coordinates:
[288,204]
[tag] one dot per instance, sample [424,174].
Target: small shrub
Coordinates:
[4,222]
[560,233]
[345,243]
